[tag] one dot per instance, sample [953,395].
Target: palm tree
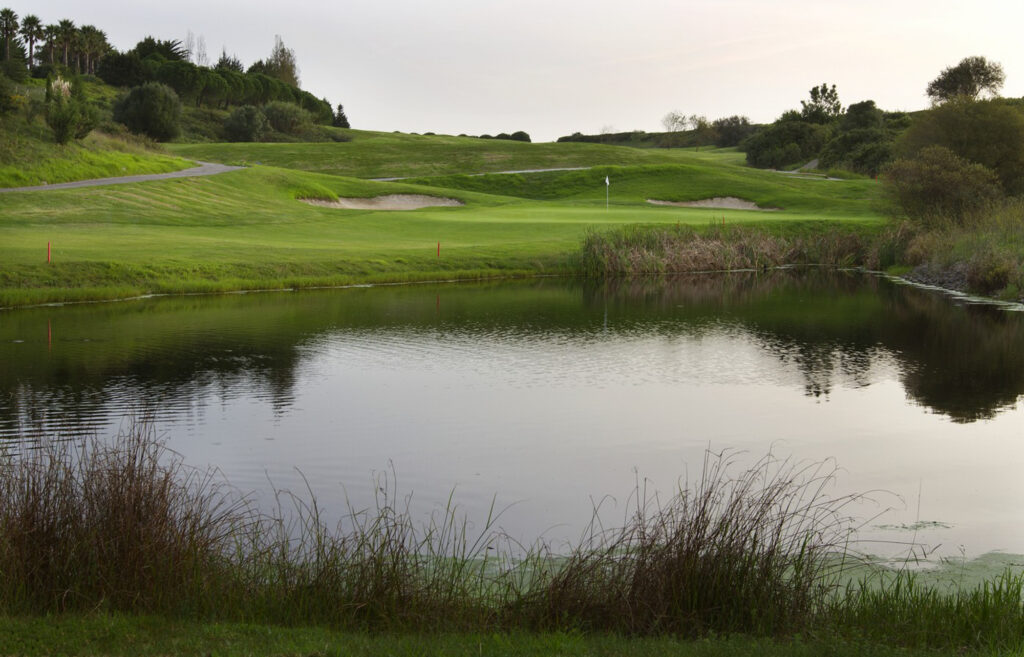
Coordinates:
[52,35]
[31,31]
[94,45]
[8,29]
[66,32]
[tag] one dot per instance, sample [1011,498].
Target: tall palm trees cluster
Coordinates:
[28,39]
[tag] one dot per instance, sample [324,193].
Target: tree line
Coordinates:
[63,50]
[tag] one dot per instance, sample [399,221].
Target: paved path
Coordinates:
[204,169]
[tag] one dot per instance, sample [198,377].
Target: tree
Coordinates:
[31,31]
[66,33]
[281,64]
[8,29]
[122,69]
[229,63]
[169,50]
[93,45]
[152,109]
[52,35]
[824,106]
[675,121]
[704,132]
[967,80]
[732,130]
[987,132]
[862,115]
[340,120]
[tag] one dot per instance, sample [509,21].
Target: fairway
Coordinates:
[248,229]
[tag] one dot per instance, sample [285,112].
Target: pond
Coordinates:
[547,397]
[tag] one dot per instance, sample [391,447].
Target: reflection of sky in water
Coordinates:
[547,419]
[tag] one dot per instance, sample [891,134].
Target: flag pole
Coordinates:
[607,187]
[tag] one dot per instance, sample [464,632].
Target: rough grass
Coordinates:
[984,253]
[126,527]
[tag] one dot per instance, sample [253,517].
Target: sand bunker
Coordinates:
[720,202]
[388,202]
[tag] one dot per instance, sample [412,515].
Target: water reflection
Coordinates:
[77,367]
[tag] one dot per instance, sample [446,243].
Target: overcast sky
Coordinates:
[553,67]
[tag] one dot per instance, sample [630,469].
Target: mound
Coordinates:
[720,202]
[388,202]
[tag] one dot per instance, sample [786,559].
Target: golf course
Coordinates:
[251,229]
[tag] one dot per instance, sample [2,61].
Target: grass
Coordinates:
[248,230]
[119,634]
[381,155]
[94,531]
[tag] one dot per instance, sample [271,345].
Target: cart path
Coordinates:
[204,169]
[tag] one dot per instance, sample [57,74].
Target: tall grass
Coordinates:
[126,526]
[641,249]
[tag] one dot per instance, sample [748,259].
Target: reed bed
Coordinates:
[644,249]
[125,526]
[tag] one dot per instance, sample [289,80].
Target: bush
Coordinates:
[287,117]
[246,123]
[785,142]
[152,109]
[863,150]
[939,186]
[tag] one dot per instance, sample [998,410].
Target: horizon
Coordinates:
[551,69]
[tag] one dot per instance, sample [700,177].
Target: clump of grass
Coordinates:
[755,553]
[84,525]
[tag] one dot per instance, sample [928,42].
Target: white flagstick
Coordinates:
[607,187]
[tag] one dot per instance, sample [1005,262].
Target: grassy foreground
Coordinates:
[116,634]
[114,545]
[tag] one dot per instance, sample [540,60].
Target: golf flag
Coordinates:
[606,181]
[607,186]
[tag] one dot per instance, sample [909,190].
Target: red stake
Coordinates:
[438,249]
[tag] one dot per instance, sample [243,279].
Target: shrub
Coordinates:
[785,142]
[246,123]
[287,117]
[152,109]
[519,135]
[939,186]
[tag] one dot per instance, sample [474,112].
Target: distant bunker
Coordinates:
[720,202]
[388,202]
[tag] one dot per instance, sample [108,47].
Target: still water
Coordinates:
[547,396]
